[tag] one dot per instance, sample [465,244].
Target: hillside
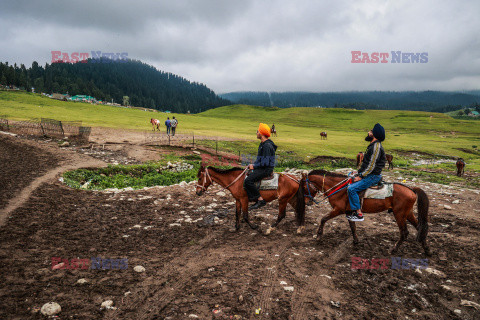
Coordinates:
[379,100]
[298,128]
[105,80]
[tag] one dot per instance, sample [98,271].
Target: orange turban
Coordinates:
[264,129]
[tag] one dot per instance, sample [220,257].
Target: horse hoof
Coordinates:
[300,229]
[428,253]
[269,230]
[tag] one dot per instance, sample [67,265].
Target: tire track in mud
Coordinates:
[148,302]
[271,278]
[320,286]
[26,192]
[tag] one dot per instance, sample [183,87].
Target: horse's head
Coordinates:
[204,180]
[309,190]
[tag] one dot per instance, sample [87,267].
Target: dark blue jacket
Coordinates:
[265,155]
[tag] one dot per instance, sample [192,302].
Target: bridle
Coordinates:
[206,174]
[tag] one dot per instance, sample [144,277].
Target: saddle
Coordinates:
[381,190]
[268,183]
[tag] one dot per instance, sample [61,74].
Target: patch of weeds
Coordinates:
[134,176]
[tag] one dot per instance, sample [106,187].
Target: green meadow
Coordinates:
[435,135]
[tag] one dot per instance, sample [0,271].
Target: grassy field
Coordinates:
[436,134]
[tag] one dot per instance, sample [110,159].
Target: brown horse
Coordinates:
[460,167]
[389,160]
[155,123]
[273,131]
[360,156]
[401,204]
[232,179]
[323,135]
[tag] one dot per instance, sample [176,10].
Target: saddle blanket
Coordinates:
[385,192]
[270,184]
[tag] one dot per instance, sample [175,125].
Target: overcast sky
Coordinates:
[258,45]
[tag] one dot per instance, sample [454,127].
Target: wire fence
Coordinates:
[216,150]
[47,128]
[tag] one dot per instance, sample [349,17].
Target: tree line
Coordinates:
[111,81]
[380,100]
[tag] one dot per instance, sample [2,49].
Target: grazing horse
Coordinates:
[460,167]
[323,135]
[155,123]
[401,204]
[273,131]
[289,191]
[360,156]
[389,160]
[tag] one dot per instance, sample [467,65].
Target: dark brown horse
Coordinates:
[460,167]
[273,131]
[401,204]
[232,179]
[323,135]
[360,156]
[389,160]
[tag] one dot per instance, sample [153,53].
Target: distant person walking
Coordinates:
[174,124]
[168,124]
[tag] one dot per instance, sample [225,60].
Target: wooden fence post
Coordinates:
[61,127]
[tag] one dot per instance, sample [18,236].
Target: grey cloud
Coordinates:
[260,45]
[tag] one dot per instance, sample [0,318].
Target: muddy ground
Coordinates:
[205,271]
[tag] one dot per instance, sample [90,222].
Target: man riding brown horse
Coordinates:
[460,167]
[369,173]
[263,166]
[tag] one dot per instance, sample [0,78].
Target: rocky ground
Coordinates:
[196,267]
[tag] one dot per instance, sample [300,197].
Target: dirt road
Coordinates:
[195,267]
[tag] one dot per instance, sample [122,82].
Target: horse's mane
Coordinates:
[218,170]
[326,173]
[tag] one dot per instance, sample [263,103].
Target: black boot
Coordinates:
[258,204]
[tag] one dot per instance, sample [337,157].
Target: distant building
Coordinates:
[60,96]
[475,113]
[83,98]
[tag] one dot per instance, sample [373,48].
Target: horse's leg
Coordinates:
[238,211]
[282,209]
[353,227]
[411,218]
[332,214]
[244,204]
[402,226]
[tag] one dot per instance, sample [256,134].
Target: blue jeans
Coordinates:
[359,186]
[168,130]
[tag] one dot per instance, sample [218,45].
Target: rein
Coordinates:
[233,182]
[211,181]
[328,193]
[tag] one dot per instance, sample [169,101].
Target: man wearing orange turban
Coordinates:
[262,167]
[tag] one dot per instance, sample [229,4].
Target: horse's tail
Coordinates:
[422,206]
[300,205]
